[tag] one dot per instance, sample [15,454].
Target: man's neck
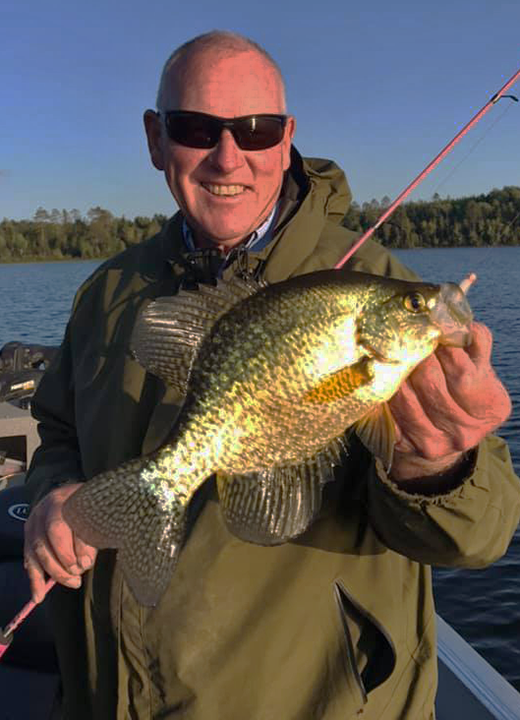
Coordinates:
[198,241]
[201,242]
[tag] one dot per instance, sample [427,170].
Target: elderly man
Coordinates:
[340,621]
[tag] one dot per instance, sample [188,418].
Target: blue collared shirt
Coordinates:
[258,240]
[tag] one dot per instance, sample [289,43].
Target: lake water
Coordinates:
[483,605]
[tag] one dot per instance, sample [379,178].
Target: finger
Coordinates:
[428,382]
[41,553]
[36,578]
[86,554]
[454,361]
[481,344]
[460,380]
[34,570]
[418,432]
[477,353]
[60,541]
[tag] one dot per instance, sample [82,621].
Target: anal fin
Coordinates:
[275,505]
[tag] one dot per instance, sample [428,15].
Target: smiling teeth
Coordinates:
[224,189]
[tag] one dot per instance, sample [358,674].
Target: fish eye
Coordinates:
[414,302]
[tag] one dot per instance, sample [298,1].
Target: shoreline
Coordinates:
[50,259]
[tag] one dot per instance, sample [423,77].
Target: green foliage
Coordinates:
[65,235]
[492,219]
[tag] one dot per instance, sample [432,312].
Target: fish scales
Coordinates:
[277,375]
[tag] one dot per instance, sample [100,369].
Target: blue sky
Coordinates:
[379,87]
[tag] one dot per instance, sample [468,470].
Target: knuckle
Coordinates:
[54,526]
[433,447]
[38,549]
[462,441]
[430,452]
[458,375]
[487,335]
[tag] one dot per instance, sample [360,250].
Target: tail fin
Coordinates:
[119,509]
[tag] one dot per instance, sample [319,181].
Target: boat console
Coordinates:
[29,675]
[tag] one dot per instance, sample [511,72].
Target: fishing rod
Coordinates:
[6,635]
[474,120]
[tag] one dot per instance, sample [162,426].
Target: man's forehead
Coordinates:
[244,82]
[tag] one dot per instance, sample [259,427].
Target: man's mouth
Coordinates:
[227,190]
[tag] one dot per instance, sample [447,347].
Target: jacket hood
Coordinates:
[324,179]
[330,181]
[315,194]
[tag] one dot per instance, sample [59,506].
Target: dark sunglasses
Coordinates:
[198,130]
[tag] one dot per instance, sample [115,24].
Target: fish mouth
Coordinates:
[453,315]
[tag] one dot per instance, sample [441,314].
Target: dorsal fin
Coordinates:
[169,330]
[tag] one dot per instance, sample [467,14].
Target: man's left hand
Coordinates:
[450,402]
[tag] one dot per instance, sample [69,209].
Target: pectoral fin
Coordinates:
[377,433]
[342,383]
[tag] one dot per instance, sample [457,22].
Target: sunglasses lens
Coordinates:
[258,133]
[195,130]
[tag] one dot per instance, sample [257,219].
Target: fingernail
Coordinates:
[85,562]
[75,569]
[74,582]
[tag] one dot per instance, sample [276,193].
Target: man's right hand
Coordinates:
[52,547]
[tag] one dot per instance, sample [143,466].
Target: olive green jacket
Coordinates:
[337,622]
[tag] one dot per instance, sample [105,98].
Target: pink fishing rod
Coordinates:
[6,635]
[429,168]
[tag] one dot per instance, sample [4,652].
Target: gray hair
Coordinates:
[223,40]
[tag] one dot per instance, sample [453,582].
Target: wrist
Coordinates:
[414,474]
[408,465]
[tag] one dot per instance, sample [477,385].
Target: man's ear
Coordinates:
[290,129]
[153,128]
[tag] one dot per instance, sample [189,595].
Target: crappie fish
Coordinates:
[273,376]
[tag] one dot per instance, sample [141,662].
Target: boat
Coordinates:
[469,687]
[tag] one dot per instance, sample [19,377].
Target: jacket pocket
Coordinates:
[369,647]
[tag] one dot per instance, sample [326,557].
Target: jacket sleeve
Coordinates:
[57,459]
[470,526]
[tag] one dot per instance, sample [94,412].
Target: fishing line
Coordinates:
[437,159]
[490,248]
[473,147]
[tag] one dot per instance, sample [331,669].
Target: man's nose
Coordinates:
[226,155]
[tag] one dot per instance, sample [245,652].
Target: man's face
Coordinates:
[229,87]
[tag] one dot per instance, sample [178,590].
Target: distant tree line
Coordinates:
[65,234]
[492,219]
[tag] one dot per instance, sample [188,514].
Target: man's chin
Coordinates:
[222,237]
